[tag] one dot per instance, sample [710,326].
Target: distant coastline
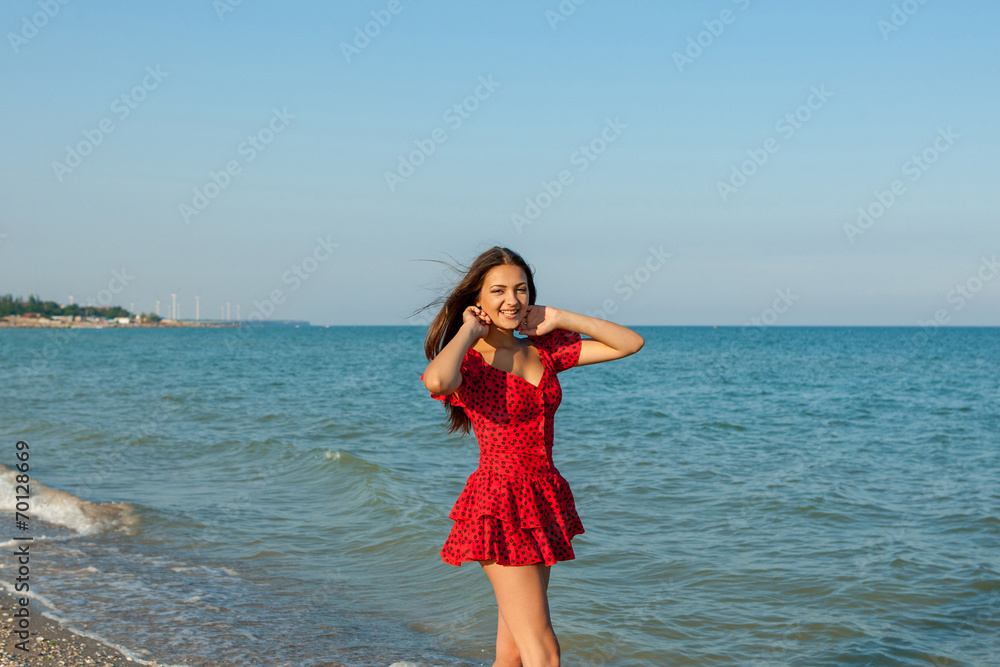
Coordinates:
[20,322]
[78,322]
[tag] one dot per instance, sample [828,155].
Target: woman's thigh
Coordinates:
[504,638]
[521,598]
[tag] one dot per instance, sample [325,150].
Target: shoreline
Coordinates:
[51,643]
[15,322]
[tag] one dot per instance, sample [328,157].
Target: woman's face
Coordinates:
[504,296]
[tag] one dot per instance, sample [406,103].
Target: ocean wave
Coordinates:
[61,508]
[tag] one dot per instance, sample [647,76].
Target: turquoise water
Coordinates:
[788,496]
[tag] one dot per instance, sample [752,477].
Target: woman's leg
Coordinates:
[507,654]
[524,628]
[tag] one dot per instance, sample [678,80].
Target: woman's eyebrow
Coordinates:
[499,285]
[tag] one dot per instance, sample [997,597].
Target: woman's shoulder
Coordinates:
[561,345]
[472,361]
[555,338]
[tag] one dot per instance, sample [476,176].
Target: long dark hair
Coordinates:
[449,319]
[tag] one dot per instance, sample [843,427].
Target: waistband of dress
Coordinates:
[517,468]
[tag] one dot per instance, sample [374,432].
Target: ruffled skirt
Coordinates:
[513,519]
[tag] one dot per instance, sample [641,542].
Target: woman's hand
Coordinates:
[539,320]
[477,321]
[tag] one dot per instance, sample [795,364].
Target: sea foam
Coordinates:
[60,508]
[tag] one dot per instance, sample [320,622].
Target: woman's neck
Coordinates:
[501,339]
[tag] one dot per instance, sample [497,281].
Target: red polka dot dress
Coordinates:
[515,508]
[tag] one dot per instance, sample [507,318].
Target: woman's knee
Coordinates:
[550,650]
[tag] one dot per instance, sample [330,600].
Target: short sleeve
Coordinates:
[563,347]
[453,398]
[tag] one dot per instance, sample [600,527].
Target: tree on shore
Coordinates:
[19,306]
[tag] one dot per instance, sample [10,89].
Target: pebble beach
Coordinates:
[50,643]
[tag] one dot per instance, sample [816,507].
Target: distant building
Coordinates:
[123,320]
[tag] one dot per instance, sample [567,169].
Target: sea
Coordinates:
[751,496]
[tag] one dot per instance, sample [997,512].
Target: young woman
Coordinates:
[516,515]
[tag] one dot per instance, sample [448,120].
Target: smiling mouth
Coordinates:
[510,314]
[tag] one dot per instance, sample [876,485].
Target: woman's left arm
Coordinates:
[610,340]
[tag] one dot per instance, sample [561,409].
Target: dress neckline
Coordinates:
[545,368]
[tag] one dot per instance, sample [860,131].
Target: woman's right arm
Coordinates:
[443,374]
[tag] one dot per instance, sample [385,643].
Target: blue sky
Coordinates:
[714,156]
